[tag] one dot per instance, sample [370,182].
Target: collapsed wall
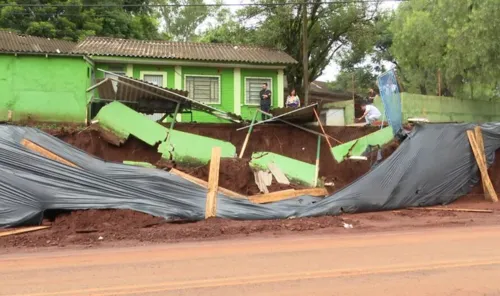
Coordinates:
[276,138]
[434,165]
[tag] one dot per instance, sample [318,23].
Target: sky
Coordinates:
[332,70]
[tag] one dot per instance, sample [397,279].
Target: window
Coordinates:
[118,70]
[156,79]
[205,89]
[253,87]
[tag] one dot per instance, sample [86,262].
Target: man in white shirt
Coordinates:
[371,113]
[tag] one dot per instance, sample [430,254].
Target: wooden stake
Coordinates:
[287,194]
[22,230]
[323,130]
[248,134]
[452,210]
[204,184]
[45,153]
[480,142]
[318,152]
[481,163]
[213,183]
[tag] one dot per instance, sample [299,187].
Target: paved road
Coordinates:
[452,261]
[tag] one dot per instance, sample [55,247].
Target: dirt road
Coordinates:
[452,261]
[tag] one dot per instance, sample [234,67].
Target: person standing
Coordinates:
[292,101]
[265,100]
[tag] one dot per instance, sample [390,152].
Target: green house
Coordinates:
[47,80]
[41,80]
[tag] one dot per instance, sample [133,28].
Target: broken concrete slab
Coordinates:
[193,150]
[278,174]
[358,147]
[296,171]
[123,121]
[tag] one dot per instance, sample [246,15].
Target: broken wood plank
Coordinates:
[451,209]
[260,181]
[312,192]
[45,153]
[480,142]
[22,230]
[213,183]
[286,194]
[278,174]
[204,184]
[481,162]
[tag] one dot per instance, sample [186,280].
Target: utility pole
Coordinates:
[305,56]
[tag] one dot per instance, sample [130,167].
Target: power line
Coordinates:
[194,5]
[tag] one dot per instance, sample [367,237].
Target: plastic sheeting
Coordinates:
[434,165]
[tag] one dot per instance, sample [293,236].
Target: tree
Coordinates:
[76,19]
[364,79]
[457,37]
[278,24]
[183,17]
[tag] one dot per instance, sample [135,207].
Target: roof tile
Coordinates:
[13,42]
[105,46]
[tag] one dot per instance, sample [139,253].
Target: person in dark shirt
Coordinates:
[265,100]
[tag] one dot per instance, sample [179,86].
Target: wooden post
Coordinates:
[45,153]
[213,183]
[481,163]
[305,55]
[248,134]
[323,130]
[177,107]
[316,174]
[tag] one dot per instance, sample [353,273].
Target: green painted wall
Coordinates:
[226,86]
[226,92]
[169,70]
[348,107]
[446,109]
[49,89]
[298,172]
[247,111]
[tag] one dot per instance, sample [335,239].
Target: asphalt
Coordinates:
[451,261]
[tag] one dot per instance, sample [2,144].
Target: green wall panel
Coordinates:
[446,109]
[49,89]
[226,92]
[247,111]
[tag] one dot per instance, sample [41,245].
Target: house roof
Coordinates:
[214,52]
[13,42]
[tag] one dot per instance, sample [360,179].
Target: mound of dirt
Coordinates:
[91,142]
[235,174]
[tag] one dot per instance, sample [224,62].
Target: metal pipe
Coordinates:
[276,117]
[248,134]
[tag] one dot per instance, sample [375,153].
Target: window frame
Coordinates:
[163,73]
[269,86]
[219,102]
[113,82]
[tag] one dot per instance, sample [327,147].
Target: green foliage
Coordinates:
[72,20]
[364,79]
[458,37]
[331,27]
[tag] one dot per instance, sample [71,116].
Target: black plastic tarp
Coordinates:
[434,165]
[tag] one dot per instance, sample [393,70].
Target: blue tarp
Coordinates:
[434,165]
